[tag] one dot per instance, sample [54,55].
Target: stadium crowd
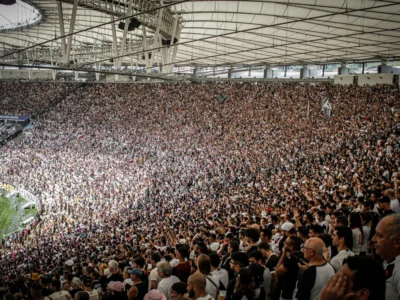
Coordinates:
[155,191]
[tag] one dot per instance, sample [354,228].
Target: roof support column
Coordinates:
[123,41]
[156,35]
[267,73]
[175,51]
[62,29]
[170,49]
[146,54]
[29,69]
[71,30]
[304,72]
[343,70]
[114,35]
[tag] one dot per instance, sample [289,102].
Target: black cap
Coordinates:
[87,281]
[240,258]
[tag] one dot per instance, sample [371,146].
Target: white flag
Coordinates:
[327,108]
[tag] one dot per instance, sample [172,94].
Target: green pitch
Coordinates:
[6,213]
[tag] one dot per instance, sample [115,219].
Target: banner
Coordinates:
[7,187]
[27,195]
[14,118]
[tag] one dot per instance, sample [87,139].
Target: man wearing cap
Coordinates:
[238,260]
[139,289]
[154,295]
[288,230]
[165,272]
[87,287]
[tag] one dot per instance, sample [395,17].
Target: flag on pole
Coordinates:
[327,108]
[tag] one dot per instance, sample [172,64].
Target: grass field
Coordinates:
[6,213]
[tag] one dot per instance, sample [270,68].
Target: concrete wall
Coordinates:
[372,79]
[24,74]
[344,79]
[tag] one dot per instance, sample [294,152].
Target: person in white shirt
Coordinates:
[343,240]
[57,292]
[164,271]
[356,228]
[365,220]
[387,239]
[394,202]
[154,279]
[197,287]
[212,281]
[222,274]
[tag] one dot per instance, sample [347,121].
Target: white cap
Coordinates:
[214,246]
[69,262]
[287,226]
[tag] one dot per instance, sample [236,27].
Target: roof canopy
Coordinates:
[212,33]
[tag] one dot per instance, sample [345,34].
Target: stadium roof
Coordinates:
[212,33]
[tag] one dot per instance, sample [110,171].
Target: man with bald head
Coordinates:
[387,245]
[196,287]
[212,281]
[318,272]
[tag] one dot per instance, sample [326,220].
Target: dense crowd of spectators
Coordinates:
[234,190]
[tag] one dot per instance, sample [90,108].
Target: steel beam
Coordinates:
[71,31]
[61,24]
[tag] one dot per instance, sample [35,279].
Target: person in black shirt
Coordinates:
[114,269]
[384,205]
[287,268]
[253,235]
[271,258]
[238,261]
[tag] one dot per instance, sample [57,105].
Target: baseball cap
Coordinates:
[154,295]
[287,226]
[136,272]
[87,281]
[117,286]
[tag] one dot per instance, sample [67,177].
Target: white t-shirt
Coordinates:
[357,241]
[165,285]
[93,295]
[212,285]
[223,276]
[153,276]
[206,297]
[59,295]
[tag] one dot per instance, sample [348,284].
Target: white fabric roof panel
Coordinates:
[248,32]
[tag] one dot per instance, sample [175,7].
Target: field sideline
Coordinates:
[6,213]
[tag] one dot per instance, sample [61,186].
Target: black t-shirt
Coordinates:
[46,292]
[289,278]
[251,249]
[115,277]
[272,261]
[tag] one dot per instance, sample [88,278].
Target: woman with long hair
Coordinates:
[356,228]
